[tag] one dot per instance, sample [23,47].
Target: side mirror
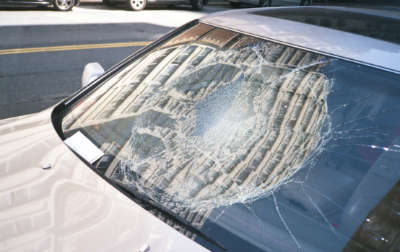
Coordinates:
[90,72]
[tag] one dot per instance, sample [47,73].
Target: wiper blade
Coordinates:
[149,203]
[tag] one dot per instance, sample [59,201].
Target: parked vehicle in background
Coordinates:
[61,5]
[282,135]
[259,3]
[138,5]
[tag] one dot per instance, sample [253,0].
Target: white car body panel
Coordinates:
[71,208]
[67,207]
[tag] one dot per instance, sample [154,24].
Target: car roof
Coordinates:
[365,36]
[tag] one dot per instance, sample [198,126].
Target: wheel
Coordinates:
[109,3]
[235,4]
[63,5]
[137,5]
[197,4]
[265,3]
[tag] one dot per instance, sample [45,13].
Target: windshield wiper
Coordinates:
[149,204]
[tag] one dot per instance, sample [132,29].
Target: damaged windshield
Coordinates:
[261,146]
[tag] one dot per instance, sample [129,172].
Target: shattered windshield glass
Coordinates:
[261,146]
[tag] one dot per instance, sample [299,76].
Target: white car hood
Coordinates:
[67,207]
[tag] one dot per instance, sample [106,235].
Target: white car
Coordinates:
[271,129]
[60,5]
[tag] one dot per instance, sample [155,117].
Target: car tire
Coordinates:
[109,3]
[137,5]
[63,5]
[197,4]
[234,4]
[265,3]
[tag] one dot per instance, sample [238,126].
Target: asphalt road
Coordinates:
[30,82]
[41,63]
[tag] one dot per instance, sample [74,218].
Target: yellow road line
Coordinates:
[71,47]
